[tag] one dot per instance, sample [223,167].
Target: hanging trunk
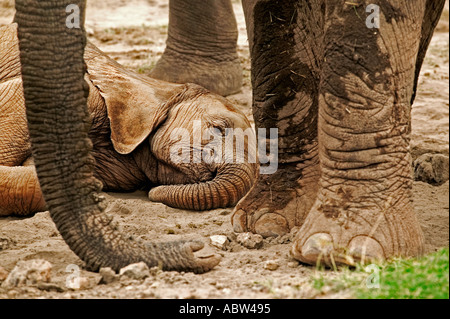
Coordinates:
[55,98]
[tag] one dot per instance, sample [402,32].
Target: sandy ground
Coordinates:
[133,33]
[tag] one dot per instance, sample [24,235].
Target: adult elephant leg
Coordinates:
[286,50]
[364,205]
[56,100]
[201,46]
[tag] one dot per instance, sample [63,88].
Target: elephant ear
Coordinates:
[136,104]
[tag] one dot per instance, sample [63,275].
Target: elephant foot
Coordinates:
[352,237]
[223,77]
[278,202]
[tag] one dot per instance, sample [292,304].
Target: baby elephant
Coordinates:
[175,139]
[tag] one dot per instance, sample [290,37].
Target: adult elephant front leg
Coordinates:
[201,46]
[286,49]
[56,100]
[364,206]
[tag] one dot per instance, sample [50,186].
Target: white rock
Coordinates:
[219,241]
[250,241]
[136,271]
[28,272]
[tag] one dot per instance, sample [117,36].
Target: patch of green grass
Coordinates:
[415,278]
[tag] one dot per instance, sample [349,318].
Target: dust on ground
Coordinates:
[133,33]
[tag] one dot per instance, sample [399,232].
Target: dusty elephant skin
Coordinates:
[285,94]
[132,120]
[56,95]
[352,173]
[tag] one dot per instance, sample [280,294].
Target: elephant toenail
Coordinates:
[366,249]
[317,247]
[239,221]
[271,225]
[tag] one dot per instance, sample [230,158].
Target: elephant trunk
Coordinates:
[230,184]
[56,100]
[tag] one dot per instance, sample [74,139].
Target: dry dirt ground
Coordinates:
[133,33]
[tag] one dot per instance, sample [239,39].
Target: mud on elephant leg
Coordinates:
[285,97]
[201,46]
[363,210]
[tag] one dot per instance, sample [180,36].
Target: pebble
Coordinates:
[219,241]
[271,265]
[432,169]
[28,272]
[250,241]
[136,271]
[108,275]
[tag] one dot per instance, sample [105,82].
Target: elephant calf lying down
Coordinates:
[137,129]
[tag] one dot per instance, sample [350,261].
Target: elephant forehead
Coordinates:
[213,110]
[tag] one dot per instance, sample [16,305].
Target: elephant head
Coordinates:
[204,147]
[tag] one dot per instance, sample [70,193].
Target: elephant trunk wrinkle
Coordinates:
[230,184]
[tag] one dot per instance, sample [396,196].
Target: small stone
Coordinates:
[136,271]
[28,272]
[235,247]
[432,169]
[232,236]
[85,283]
[271,265]
[155,271]
[219,241]
[80,283]
[3,274]
[108,275]
[293,264]
[250,241]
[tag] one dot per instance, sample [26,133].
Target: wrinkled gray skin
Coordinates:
[340,95]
